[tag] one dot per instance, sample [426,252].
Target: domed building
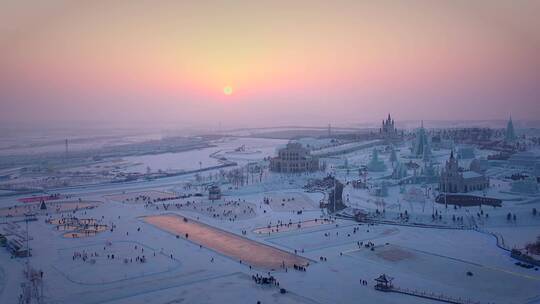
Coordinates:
[479,166]
[294,158]
[466,152]
[453,180]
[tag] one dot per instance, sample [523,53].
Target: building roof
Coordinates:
[526,155]
[383,278]
[471,174]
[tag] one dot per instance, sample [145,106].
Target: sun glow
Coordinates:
[227,90]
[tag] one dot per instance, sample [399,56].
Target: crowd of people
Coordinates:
[290,225]
[269,280]
[231,210]
[86,256]
[147,199]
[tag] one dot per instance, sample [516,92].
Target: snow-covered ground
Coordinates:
[154,265]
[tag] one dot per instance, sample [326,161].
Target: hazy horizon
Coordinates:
[60,130]
[301,63]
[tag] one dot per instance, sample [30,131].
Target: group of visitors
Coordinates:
[229,210]
[270,280]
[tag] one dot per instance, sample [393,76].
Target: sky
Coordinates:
[286,62]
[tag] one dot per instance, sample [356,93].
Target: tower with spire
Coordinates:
[421,147]
[388,130]
[510,135]
[454,180]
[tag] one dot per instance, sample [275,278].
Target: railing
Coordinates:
[428,295]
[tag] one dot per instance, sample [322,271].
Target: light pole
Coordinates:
[334,192]
[27,247]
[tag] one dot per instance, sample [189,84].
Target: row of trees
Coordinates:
[245,175]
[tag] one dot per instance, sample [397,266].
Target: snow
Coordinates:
[100,269]
[171,162]
[470,174]
[291,201]
[205,267]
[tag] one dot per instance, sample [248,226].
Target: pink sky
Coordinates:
[300,62]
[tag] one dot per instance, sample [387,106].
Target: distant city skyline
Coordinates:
[245,63]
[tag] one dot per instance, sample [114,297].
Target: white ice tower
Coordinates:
[421,147]
[510,135]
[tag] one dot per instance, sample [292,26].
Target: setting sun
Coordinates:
[227,90]
[331,114]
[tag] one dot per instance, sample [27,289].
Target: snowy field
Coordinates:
[51,208]
[225,210]
[271,223]
[108,262]
[291,201]
[290,226]
[336,236]
[447,272]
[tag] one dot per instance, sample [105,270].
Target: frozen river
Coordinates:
[255,149]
